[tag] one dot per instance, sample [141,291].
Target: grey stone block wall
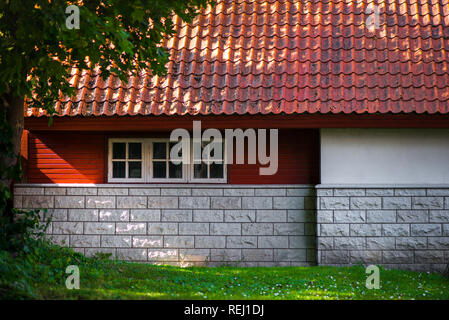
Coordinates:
[182,224]
[406,228]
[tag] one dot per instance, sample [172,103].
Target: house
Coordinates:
[359,94]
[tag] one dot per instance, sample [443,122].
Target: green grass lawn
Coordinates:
[107,279]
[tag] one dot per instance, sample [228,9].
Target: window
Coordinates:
[210,168]
[126,161]
[148,160]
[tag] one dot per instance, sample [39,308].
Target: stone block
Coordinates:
[145,215]
[155,202]
[147,241]
[162,228]
[241,242]
[99,228]
[288,202]
[177,215]
[288,229]
[194,202]
[226,203]
[102,202]
[131,228]
[83,215]
[240,215]
[194,228]
[271,216]
[254,229]
[257,203]
[334,203]
[225,229]
[113,215]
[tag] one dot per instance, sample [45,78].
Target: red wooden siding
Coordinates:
[66,157]
[298,161]
[79,157]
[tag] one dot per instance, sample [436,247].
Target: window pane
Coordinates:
[159,150]
[216,170]
[118,169]
[175,171]
[134,169]
[135,150]
[119,150]
[200,170]
[159,169]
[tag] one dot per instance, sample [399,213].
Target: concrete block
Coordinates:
[290,255]
[396,230]
[412,215]
[257,254]
[288,229]
[255,229]
[163,255]
[100,202]
[145,215]
[288,202]
[411,243]
[83,215]
[334,230]
[225,229]
[425,230]
[370,203]
[116,241]
[271,216]
[397,257]
[239,192]
[349,216]
[241,242]
[210,242]
[257,203]
[113,191]
[132,254]
[84,241]
[37,202]
[132,202]
[194,202]
[240,215]
[131,228]
[144,192]
[273,242]
[194,228]
[177,215]
[226,255]
[114,215]
[381,216]
[207,192]
[396,203]
[349,192]
[208,215]
[147,241]
[226,203]
[67,227]
[334,203]
[99,228]
[155,202]
[162,228]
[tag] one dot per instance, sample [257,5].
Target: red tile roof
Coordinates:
[290,56]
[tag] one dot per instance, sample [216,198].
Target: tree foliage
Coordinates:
[37,49]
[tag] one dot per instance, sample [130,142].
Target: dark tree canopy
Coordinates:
[37,49]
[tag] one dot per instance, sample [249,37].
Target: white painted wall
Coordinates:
[384,156]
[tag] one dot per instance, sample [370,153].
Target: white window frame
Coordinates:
[207,180]
[147,164]
[150,178]
[110,165]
